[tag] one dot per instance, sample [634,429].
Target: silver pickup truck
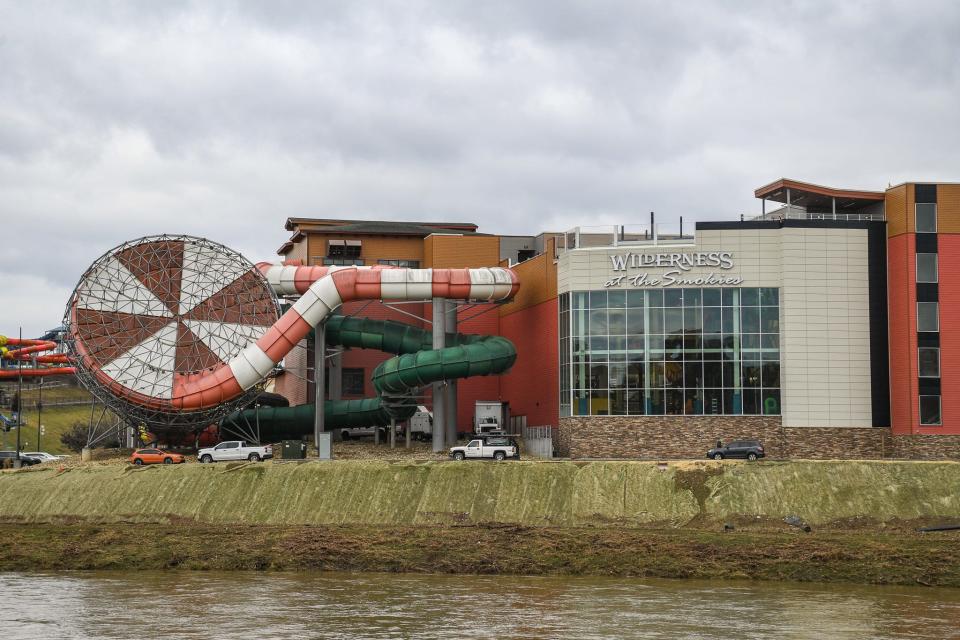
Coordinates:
[496,447]
[235,450]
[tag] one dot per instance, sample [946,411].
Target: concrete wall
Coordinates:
[618,494]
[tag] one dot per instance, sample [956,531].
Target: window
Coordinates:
[927,267]
[930,410]
[406,264]
[929,362]
[926,217]
[672,351]
[928,316]
[353,381]
[349,249]
[340,262]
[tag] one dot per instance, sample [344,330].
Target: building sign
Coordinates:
[679,274]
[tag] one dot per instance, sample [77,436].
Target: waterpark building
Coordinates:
[820,326]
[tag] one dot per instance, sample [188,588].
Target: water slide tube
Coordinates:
[26,352]
[416,364]
[321,290]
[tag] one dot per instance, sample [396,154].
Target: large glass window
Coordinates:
[670,352]
[930,410]
[926,217]
[927,267]
[929,362]
[927,316]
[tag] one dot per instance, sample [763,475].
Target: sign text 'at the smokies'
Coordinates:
[679,274]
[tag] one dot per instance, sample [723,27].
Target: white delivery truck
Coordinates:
[421,424]
[491,416]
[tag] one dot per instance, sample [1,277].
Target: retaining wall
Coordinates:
[526,493]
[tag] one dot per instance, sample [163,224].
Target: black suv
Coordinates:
[749,449]
[25,461]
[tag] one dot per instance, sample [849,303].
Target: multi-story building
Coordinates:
[820,326]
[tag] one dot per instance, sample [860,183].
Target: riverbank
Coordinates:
[700,519]
[866,555]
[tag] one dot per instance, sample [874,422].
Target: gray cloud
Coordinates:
[222,119]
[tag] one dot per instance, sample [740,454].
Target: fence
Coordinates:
[538,441]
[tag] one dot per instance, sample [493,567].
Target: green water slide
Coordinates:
[416,364]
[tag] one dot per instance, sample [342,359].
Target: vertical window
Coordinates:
[927,316]
[927,267]
[929,362]
[671,351]
[926,217]
[930,410]
[352,381]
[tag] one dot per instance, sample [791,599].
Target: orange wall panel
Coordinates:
[896,209]
[442,251]
[538,282]
[948,208]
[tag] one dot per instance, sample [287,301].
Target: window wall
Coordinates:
[670,351]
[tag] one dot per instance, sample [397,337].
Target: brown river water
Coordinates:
[180,604]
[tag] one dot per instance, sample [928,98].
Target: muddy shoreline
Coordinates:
[861,552]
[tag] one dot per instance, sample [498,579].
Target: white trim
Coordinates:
[939,410]
[936,268]
[919,349]
[937,318]
[935,216]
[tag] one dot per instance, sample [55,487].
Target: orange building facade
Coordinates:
[435,245]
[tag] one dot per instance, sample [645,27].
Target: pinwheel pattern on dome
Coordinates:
[158,310]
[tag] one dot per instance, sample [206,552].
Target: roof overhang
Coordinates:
[805,194]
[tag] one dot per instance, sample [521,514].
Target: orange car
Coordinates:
[155,456]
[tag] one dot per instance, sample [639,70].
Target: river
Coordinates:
[181,604]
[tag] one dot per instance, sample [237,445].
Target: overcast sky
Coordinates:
[119,120]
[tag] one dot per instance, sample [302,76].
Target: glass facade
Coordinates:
[670,351]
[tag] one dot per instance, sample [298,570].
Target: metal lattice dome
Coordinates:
[152,312]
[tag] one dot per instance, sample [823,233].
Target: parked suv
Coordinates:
[749,449]
[25,460]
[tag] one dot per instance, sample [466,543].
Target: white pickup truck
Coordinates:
[234,450]
[496,447]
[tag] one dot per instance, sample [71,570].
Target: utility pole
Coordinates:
[39,404]
[19,402]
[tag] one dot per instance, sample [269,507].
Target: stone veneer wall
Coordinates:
[926,447]
[655,437]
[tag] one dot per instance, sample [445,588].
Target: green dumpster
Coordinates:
[293,449]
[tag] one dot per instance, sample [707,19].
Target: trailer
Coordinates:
[491,416]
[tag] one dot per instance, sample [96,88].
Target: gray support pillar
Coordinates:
[439,395]
[335,374]
[407,434]
[450,402]
[393,433]
[833,203]
[335,384]
[319,374]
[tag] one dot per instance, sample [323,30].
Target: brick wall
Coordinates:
[926,447]
[691,436]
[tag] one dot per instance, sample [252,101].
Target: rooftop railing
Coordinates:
[800,213]
[620,235]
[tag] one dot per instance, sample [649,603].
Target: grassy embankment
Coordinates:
[623,518]
[56,419]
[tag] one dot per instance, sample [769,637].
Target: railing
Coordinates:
[621,235]
[538,441]
[799,213]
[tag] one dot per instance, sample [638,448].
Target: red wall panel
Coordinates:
[531,386]
[948,248]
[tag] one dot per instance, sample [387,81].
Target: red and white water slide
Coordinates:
[161,295]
